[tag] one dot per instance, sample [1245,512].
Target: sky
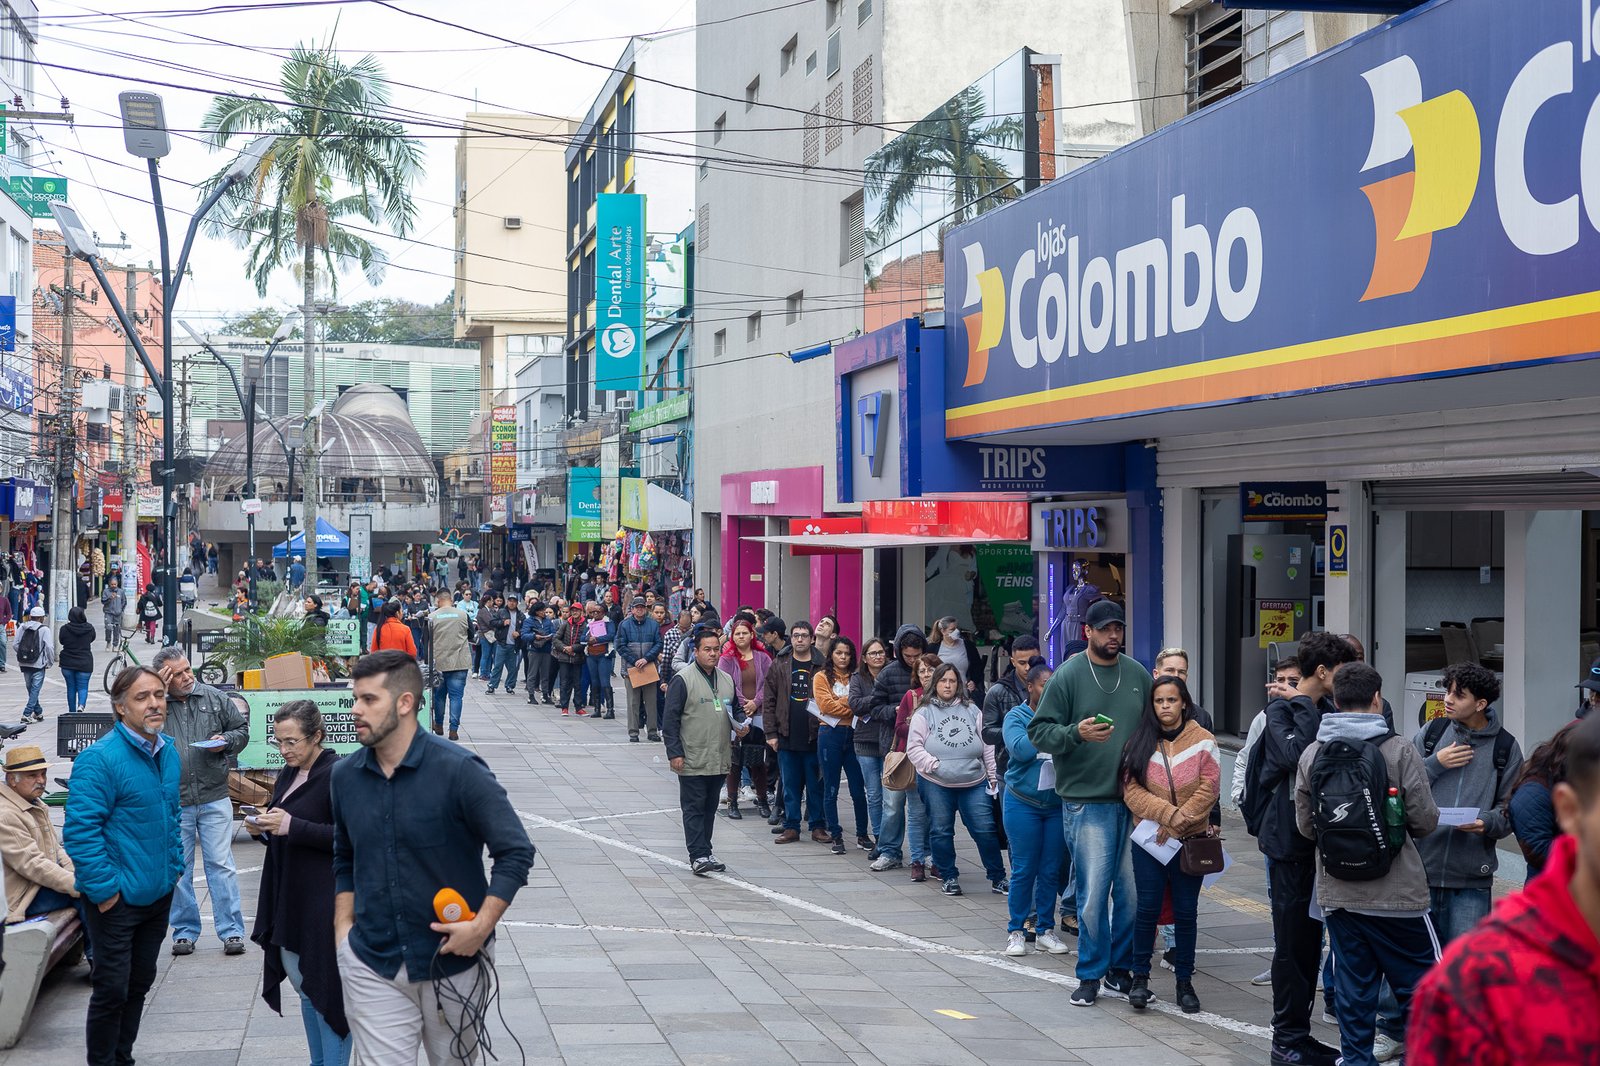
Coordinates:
[89,53]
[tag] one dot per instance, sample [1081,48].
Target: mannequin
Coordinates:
[1076,600]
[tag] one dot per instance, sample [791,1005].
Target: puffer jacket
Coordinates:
[1003,696]
[891,685]
[121,827]
[638,639]
[203,714]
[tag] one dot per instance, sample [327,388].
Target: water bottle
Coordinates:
[1394,815]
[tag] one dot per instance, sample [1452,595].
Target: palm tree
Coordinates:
[333,161]
[954,148]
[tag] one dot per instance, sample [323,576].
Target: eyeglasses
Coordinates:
[292,742]
[877,651]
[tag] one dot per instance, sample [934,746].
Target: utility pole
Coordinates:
[309,475]
[130,461]
[63,568]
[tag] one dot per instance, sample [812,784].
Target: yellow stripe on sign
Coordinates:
[1449,152]
[957,1015]
[993,287]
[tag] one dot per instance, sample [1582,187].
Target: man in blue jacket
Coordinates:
[121,832]
[639,642]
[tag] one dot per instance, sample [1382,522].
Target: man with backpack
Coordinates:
[1362,794]
[1269,810]
[36,653]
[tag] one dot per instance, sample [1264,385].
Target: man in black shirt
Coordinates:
[792,733]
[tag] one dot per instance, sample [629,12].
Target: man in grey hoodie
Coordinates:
[1471,762]
[1379,927]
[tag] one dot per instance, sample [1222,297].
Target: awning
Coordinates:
[330,543]
[647,506]
[858,541]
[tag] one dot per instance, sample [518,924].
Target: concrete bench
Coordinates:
[32,949]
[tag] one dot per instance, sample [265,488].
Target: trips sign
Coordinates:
[1421,202]
[1080,526]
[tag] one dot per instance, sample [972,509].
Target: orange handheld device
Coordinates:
[448,906]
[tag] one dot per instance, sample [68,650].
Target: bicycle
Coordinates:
[208,672]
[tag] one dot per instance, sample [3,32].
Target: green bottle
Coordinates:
[1394,814]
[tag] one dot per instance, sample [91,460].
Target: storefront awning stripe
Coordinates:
[859,541]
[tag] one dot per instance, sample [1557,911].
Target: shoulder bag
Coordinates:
[1200,854]
[898,773]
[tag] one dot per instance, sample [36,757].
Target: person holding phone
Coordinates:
[294,916]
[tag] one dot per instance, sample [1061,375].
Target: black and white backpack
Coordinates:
[1349,783]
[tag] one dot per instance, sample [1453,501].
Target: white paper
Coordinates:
[1047,775]
[1144,835]
[816,712]
[1457,815]
[1210,879]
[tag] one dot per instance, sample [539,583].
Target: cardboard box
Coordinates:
[286,671]
[250,679]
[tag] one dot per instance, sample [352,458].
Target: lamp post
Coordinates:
[144,135]
[254,367]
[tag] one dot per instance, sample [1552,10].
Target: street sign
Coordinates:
[34,193]
[250,506]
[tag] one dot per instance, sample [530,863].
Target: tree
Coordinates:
[953,149]
[333,162]
[386,321]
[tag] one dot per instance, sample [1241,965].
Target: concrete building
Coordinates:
[510,253]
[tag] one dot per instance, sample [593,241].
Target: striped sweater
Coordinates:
[1196,778]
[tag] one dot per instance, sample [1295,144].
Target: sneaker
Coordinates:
[1118,981]
[491,691]
[746,793]
[951,887]
[1069,924]
[655,736]
[716,867]
[702,866]
[866,843]
[1262,979]
[1307,1052]
[919,872]
[633,738]
[565,713]
[234,945]
[1049,942]
[1385,1048]
[884,862]
[1167,959]
[1087,992]
[1016,944]
[182,946]
[1329,1019]
[1000,887]
[838,846]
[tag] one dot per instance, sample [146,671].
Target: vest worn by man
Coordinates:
[704,727]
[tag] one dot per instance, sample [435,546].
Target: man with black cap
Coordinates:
[1589,691]
[1089,710]
[639,642]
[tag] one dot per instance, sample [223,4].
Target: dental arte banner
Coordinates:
[620,290]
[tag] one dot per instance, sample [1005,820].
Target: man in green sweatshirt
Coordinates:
[1088,711]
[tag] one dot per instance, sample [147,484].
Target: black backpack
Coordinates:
[1503,742]
[1349,782]
[29,647]
[1257,797]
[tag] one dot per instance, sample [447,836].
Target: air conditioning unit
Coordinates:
[513,222]
[624,402]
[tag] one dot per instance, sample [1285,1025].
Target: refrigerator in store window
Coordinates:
[1268,601]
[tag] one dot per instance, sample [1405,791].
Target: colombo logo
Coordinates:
[986,325]
[1410,207]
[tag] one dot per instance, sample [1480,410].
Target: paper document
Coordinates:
[1457,815]
[816,712]
[1144,835]
[640,676]
[1047,775]
[1210,879]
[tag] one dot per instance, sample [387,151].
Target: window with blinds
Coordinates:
[852,231]
[1229,49]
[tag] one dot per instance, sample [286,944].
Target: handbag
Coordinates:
[1200,854]
[898,773]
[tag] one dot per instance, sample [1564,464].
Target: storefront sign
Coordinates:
[1080,526]
[823,528]
[1005,579]
[8,323]
[526,506]
[22,500]
[337,706]
[1274,622]
[583,504]
[610,487]
[659,414]
[1443,219]
[619,292]
[16,391]
[1338,551]
[1283,501]
[977,520]
[34,193]
[344,636]
[503,450]
[633,503]
[667,280]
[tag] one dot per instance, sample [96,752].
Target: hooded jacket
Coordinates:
[1452,858]
[1523,987]
[1404,889]
[945,744]
[893,682]
[77,647]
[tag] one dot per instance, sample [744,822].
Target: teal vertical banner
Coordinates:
[620,288]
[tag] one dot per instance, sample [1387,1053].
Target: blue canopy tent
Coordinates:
[330,543]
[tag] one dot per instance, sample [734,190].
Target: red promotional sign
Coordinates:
[111,506]
[822,528]
[978,520]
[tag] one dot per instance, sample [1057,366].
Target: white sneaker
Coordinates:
[1385,1048]
[1016,943]
[747,794]
[884,862]
[1050,942]
[1262,979]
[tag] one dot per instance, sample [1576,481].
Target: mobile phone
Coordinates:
[1103,720]
[249,810]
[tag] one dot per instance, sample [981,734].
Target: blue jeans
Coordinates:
[35,683]
[327,1047]
[872,781]
[451,687]
[1102,873]
[1455,911]
[1036,849]
[505,662]
[903,813]
[836,750]
[597,671]
[801,771]
[77,689]
[211,826]
[972,803]
[1153,880]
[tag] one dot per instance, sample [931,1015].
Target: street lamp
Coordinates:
[145,136]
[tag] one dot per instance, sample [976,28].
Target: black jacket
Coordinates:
[77,647]
[998,702]
[894,681]
[1291,728]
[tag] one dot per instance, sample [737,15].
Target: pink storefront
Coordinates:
[761,503]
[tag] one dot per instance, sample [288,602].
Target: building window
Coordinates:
[792,306]
[1273,41]
[702,228]
[861,94]
[852,231]
[787,56]
[719,128]
[811,64]
[752,327]
[516,344]
[1228,50]
[752,93]
[834,7]
[835,135]
[863,11]
[719,343]
[833,53]
[808,141]
[705,168]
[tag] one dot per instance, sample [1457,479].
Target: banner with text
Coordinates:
[503,451]
[335,704]
[620,288]
[583,504]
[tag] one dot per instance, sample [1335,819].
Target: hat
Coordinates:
[638,601]
[297,559]
[37,612]
[1102,613]
[26,757]
[1592,682]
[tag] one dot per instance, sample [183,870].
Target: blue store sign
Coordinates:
[22,500]
[1283,501]
[1423,201]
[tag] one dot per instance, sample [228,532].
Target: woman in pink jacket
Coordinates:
[746,662]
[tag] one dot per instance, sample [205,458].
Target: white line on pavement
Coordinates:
[613,817]
[914,943]
[738,938]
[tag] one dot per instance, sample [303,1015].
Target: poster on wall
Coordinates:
[583,504]
[336,705]
[987,588]
[503,451]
